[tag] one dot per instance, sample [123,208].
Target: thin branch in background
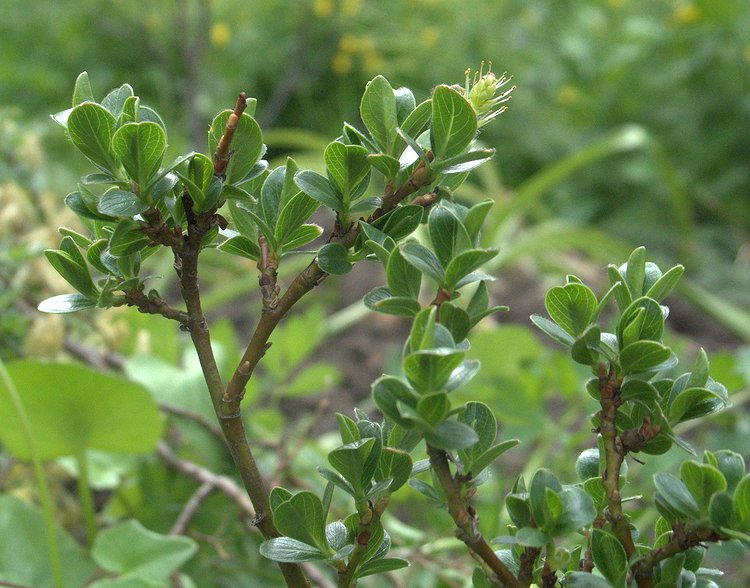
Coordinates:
[287,454]
[195,417]
[205,476]
[191,507]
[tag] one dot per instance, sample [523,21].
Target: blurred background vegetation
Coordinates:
[628,127]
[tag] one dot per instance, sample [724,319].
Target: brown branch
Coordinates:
[268,265]
[222,155]
[190,508]
[154,305]
[310,277]
[368,517]
[205,476]
[682,540]
[526,568]
[467,523]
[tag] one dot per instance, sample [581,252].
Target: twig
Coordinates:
[609,389]
[154,305]
[222,155]
[682,540]
[466,521]
[368,517]
[268,266]
[310,277]
[191,507]
[528,559]
[205,476]
[197,418]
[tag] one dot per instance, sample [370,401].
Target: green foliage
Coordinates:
[135,203]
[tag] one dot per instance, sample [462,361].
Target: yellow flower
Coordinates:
[568,94]
[322,8]
[221,34]
[349,44]
[687,14]
[350,7]
[373,61]
[341,64]
[429,37]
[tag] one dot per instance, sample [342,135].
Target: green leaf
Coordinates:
[731,465]
[286,549]
[64,303]
[403,278]
[622,294]
[121,204]
[542,481]
[741,500]
[428,370]
[405,103]
[380,300]
[448,234]
[347,429]
[91,127]
[666,283]
[454,123]
[337,480]
[585,580]
[348,170]
[552,330]
[379,112]
[279,495]
[484,460]
[474,219]
[456,320]
[319,188]
[140,147]
[72,408]
[640,391]
[396,465]
[703,481]
[587,346]
[130,548]
[721,511]
[350,459]
[433,407]
[451,435]
[380,566]
[481,419]
[424,260]
[609,557]
[571,306]
[463,162]
[643,356]
[241,246]
[301,518]
[246,147]
[635,272]
[642,320]
[74,272]
[673,499]
[82,91]
[699,374]
[115,100]
[400,222]
[531,537]
[23,557]
[333,258]
[302,236]
[294,213]
[695,403]
[127,238]
[417,120]
[578,511]
[385,164]
[387,391]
